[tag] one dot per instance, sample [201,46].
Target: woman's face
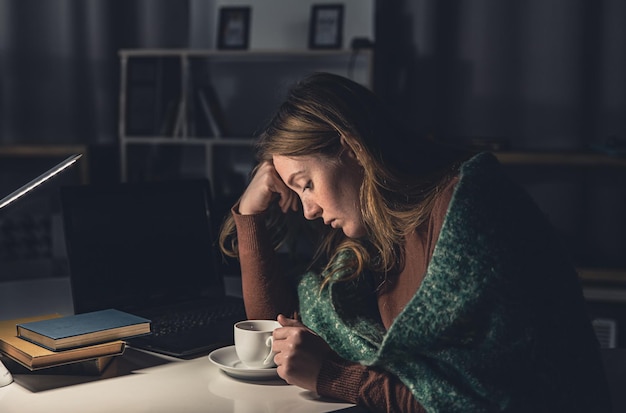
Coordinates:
[328,189]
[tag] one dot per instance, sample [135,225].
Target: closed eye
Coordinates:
[306,186]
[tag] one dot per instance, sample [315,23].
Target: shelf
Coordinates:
[605,294]
[603,285]
[560,158]
[41,150]
[167,140]
[602,275]
[243,54]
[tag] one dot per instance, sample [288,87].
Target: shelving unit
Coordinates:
[248,86]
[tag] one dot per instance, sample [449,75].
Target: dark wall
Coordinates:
[59,64]
[543,74]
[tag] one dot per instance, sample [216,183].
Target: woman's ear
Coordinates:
[350,148]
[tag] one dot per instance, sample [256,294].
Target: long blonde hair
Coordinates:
[402,171]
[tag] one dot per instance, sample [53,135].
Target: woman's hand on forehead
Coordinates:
[265,186]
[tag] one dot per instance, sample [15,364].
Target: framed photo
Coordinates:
[326,26]
[234,28]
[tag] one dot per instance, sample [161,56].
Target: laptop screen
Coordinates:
[137,246]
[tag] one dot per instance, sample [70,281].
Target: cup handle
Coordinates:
[270,357]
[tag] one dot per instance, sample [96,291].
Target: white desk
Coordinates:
[145,382]
[138,381]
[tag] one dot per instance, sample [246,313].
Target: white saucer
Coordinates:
[226,359]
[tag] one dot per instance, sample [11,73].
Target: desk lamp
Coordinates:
[38,181]
[5,375]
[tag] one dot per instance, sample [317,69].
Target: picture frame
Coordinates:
[234,28]
[326,26]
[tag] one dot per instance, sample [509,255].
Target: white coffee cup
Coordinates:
[253,343]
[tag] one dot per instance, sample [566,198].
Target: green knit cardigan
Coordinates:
[498,324]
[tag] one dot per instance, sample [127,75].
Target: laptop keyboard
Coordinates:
[180,322]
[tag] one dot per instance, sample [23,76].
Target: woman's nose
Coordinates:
[311,210]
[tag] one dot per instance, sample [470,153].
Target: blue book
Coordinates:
[83,329]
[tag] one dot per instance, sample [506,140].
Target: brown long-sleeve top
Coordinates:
[266,294]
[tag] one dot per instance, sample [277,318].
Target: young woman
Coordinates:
[436,284]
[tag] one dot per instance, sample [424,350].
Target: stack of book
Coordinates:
[90,339]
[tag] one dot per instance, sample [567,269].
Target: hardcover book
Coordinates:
[90,367]
[35,357]
[79,330]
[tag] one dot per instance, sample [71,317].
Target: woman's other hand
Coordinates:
[299,353]
[265,186]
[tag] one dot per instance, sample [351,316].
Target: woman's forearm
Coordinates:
[266,291]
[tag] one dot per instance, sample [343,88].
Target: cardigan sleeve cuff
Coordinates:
[252,233]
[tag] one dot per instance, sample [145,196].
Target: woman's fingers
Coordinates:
[288,322]
[264,188]
[299,353]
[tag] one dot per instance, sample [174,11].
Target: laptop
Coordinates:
[148,249]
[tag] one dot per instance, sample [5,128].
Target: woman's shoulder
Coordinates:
[479,162]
